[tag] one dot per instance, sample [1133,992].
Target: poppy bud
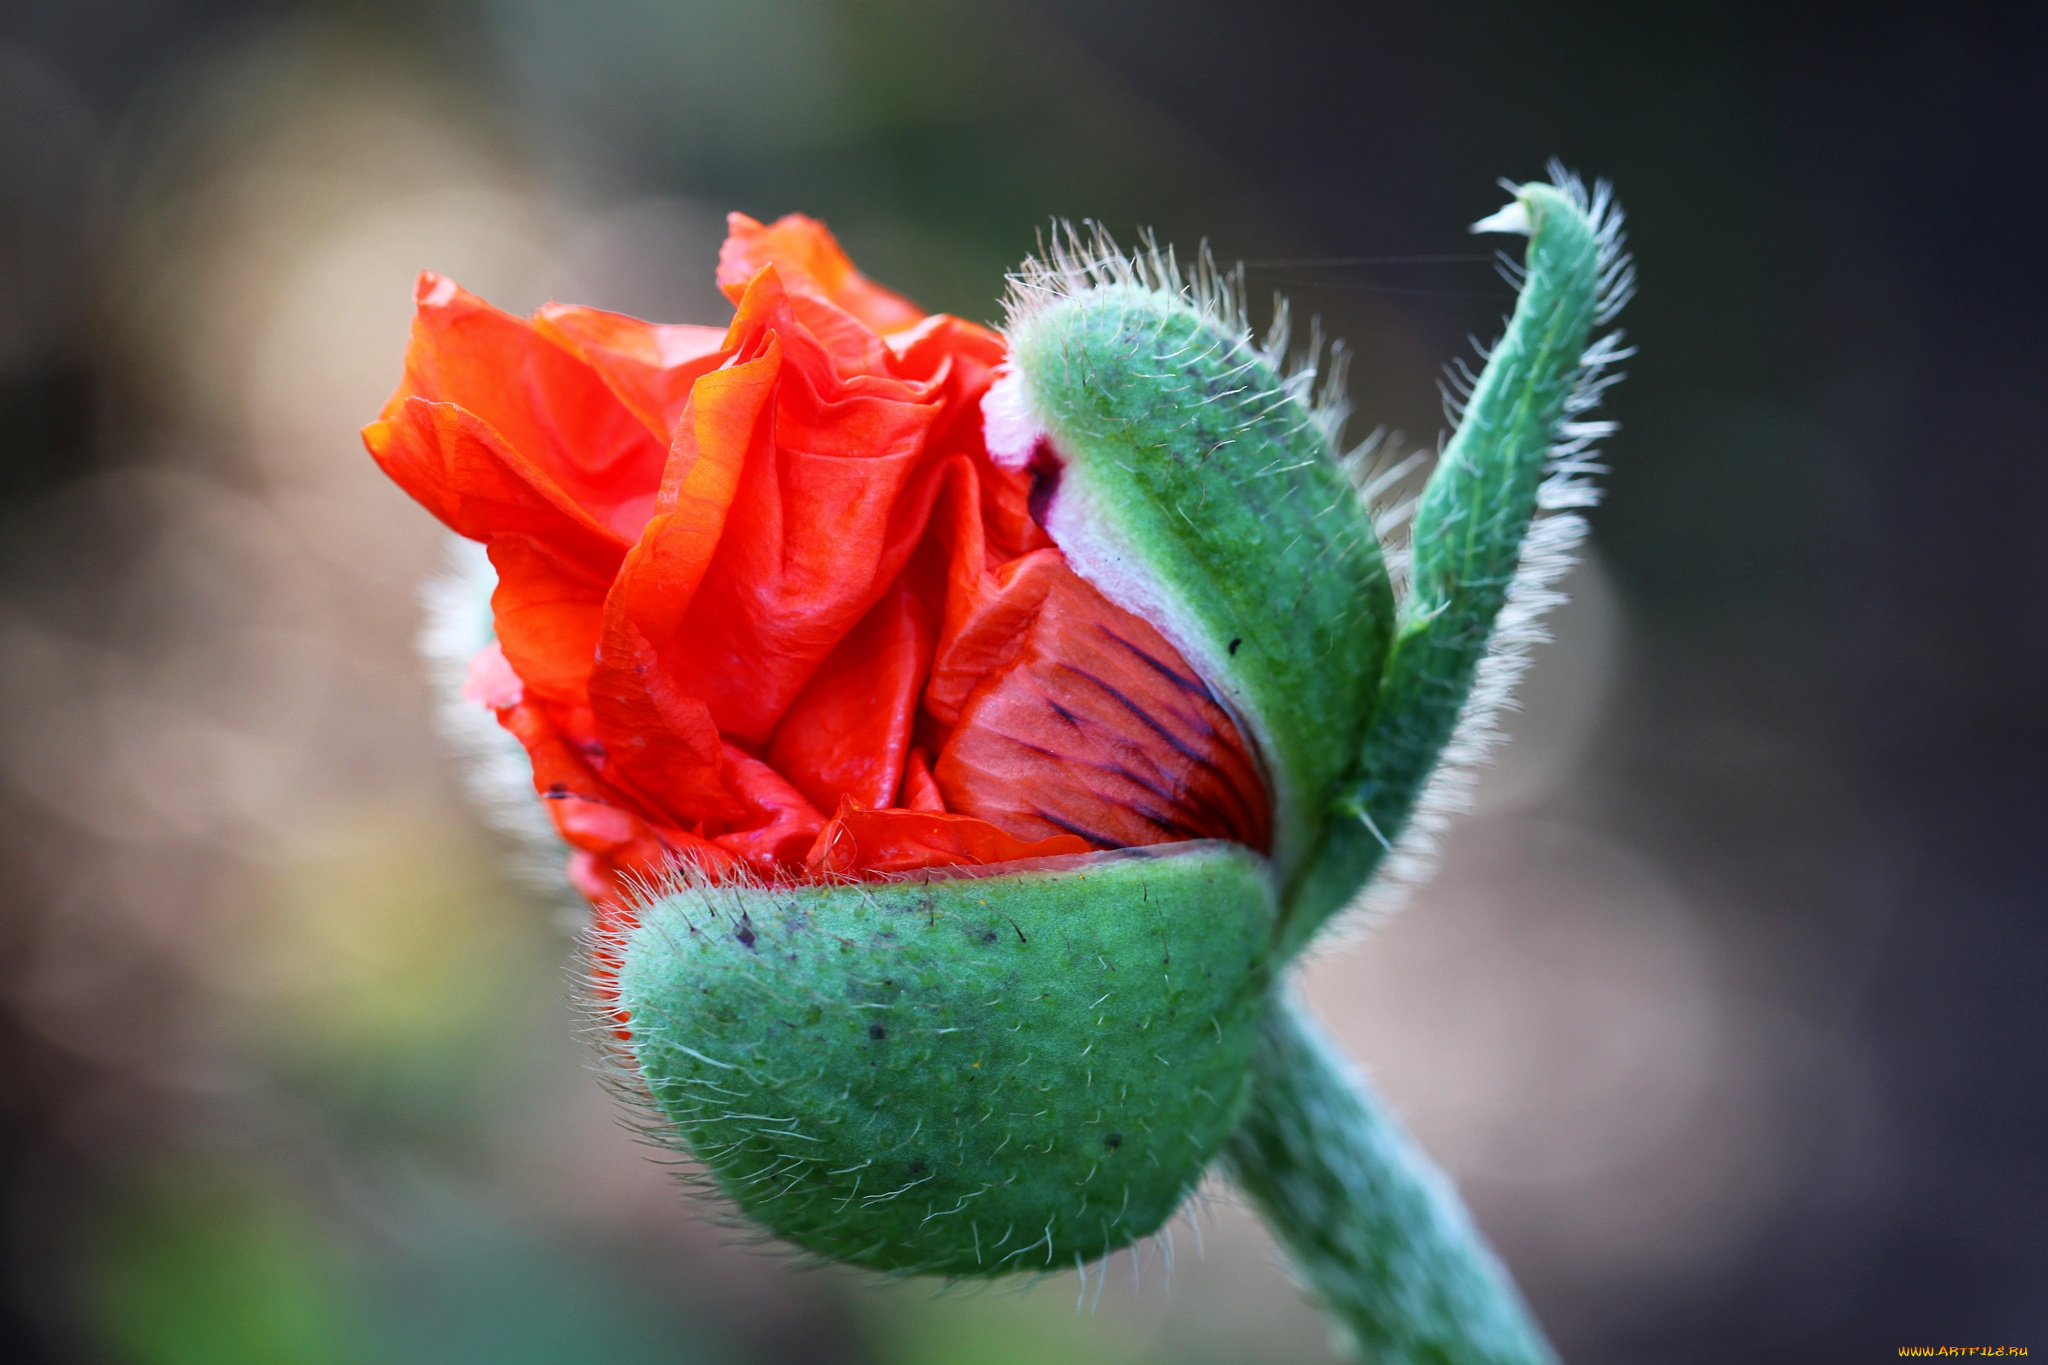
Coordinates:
[955,733]
[1023,1066]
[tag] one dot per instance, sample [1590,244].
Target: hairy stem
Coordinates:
[1377,1230]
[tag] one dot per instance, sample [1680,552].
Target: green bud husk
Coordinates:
[1199,489]
[966,1076]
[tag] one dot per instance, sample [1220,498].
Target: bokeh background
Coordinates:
[1726,1012]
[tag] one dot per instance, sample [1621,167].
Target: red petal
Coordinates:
[848,731]
[542,399]
[595,817]
[961,358]
[554,562]
[782,825]
[813,536]
[464,472]
[814,264]
[588,813]
[659,742]
[986,630]
[883,841]
[661,737]
[548,611]
[920,792]
[649,366]
[1101,730]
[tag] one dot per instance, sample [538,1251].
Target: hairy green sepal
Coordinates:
[964,1077]
[1198,490]
[1469,530]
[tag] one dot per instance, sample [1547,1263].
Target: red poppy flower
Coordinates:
[766,607]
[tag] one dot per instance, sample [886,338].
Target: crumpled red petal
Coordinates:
[648,366]
[814,534]
[811,259]
[748,575]
[780,825]
[847,734]
[555,562]
[542,400]
[881,842]
[920,792]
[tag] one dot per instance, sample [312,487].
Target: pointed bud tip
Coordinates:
[1513,218]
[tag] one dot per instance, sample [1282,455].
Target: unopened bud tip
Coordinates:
[1513,218]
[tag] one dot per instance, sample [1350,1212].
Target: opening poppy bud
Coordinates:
[819,700]
[955,732]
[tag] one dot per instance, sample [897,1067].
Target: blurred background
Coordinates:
[1726,1011]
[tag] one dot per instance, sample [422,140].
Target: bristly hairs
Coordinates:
[1075,260]
[1549,551]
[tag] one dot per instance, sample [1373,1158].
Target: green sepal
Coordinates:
[960,1076]
[1197,488]
[1470,530]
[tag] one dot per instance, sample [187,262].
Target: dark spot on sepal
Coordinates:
[1113,1141]
[745,933]
[1233,646]
[877,1032]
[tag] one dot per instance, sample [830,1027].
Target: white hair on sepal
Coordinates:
[1388,477]
[1548,552]
[1075,261]
[1615,268]
[496,773]
[594,993]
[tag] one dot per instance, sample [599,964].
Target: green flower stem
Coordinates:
[1375,1228]
[1470,527]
